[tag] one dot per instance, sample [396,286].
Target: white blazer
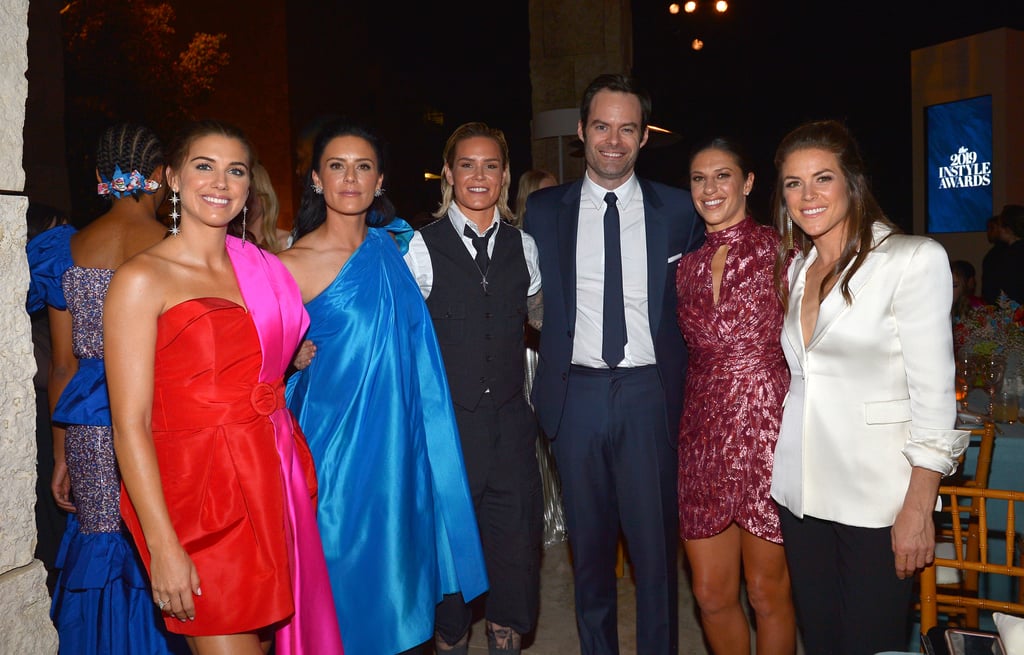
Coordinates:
[872,395]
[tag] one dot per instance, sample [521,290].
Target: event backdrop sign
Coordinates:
[959,166]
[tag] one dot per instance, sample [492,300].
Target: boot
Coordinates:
[441,647]
[502,640]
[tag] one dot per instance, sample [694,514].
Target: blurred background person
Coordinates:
[264,210]
[731,317]
[395,512]
[529,182]
[964,283]
[1008,268]
[218,483]
[102,603]
[867,430]
[992,263]
[50,519]
[554,510]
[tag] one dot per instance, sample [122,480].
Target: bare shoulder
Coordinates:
[143,281]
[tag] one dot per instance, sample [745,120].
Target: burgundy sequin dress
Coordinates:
[735,384]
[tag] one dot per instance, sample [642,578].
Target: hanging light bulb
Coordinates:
[697,44]
[690,7]
[673,8]
[721,6]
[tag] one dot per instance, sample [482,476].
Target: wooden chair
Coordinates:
[952,580]
[971,516]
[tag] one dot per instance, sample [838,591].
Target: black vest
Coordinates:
[481,335]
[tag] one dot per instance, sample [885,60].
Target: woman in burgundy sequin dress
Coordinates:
[731,317]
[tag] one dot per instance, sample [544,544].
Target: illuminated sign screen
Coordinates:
[959,166]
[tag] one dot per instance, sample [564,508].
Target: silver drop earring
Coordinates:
[245,214]
[377,193]
[318,190]
[175,230]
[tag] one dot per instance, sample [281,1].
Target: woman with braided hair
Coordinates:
[102,603]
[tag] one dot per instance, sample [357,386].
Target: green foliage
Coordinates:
[124,61]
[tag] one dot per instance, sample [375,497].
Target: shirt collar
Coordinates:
[459,220]
[595,193]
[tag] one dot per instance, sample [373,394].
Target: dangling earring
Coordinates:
[789,231]
[245,214]
[377,193]
[318,190]
[175,230]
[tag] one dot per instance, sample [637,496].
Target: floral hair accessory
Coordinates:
[121,185]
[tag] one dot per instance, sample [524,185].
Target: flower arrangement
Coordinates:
[992,330]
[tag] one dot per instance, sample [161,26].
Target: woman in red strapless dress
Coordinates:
[218,481]
[736,380]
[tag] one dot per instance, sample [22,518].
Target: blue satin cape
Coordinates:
[395,514]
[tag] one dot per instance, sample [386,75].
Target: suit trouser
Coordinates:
[619,471]
[847,596]
[498,447]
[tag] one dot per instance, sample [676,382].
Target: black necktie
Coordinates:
[480,243]
[613,348]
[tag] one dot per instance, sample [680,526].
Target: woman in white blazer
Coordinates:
[867,429]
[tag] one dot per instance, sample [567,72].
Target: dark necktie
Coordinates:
[480,244]
[613,348]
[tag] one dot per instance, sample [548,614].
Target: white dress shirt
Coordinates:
[590,275]
[417,258]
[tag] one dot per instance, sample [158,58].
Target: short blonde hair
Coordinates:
[461,133]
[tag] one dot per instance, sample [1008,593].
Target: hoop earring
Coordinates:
[175,230]
[245,214]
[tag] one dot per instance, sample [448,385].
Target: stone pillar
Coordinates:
[571,43]
[25,626]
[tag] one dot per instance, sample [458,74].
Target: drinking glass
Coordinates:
[1005,407]
[965,375]
[995,368]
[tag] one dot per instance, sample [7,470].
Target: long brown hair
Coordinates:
[863,212]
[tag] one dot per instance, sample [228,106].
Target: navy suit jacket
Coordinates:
[673,229]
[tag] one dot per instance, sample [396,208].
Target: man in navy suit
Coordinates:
[609,386]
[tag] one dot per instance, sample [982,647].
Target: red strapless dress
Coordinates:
[219,466]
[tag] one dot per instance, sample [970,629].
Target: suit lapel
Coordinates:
[792,329]
[834,305]
[657,254]
[567,223]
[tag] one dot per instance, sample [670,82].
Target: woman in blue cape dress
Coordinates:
[395,514]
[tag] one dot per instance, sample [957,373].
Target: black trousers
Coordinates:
[847,596]
[498,446]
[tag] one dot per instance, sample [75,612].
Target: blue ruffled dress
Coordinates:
[102,604]
[395,514]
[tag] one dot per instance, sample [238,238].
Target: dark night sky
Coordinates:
[766,67]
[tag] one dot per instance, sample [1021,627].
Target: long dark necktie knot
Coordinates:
[613,347]
[480,244]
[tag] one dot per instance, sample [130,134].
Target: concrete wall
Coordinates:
[25,626]
[571,43]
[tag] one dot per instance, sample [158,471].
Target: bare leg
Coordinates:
[715,564]
[245,643]
[768,590]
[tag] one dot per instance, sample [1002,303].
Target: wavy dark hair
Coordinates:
[313,210]
[862,214]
